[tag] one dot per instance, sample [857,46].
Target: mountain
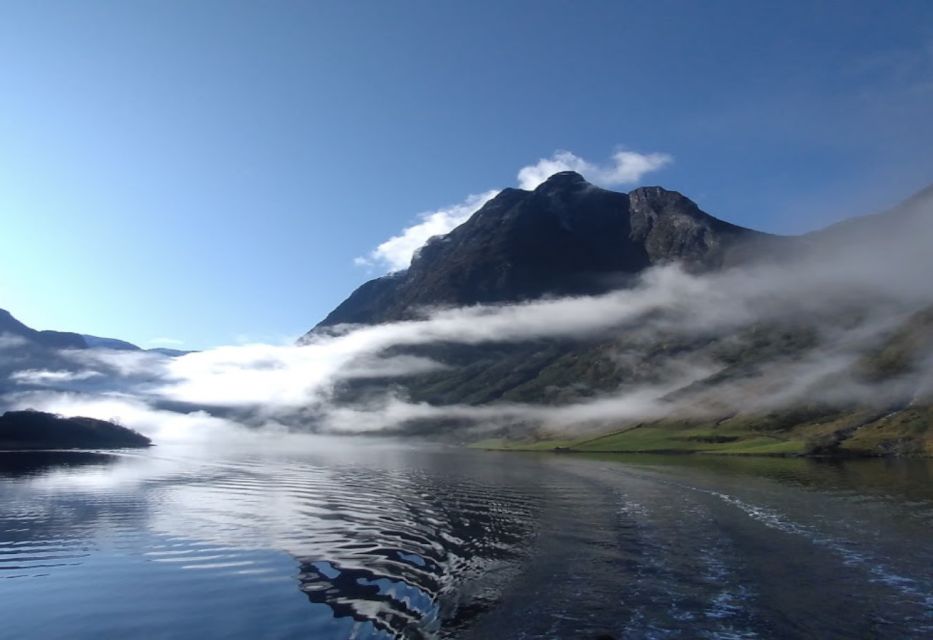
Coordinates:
[567,237]
[840,325]
[913,214]
[69,340]
[52,339]
[59,339]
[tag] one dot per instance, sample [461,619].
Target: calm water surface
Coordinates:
[317,539]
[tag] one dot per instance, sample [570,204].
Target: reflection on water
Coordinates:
[373,540]
[31,463]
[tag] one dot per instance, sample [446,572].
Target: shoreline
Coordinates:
[724,454]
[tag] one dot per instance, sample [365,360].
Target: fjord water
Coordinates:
[348,539]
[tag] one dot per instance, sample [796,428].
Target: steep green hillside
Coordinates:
[901,425]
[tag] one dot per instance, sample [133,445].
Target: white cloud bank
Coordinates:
[625,167]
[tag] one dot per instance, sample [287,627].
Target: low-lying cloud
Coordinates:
[270,384]
[41,377]
[11,341]
[839,297]
[163,426]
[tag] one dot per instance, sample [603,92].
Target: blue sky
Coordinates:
[208,172]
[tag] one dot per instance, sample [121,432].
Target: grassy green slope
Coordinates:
[855,432]
[894,426]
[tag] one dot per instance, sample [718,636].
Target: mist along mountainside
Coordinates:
[35,365]
[42,360]
[38,430]
[822,344]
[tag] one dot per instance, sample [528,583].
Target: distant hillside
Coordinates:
[52,339]
[95,342]
[31,359]
[10,326]
[59,339]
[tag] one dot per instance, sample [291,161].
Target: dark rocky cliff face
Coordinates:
[566,237]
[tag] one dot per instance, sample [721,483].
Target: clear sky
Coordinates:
[208,172]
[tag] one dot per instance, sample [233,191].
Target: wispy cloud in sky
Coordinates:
[625,167]
[395,253]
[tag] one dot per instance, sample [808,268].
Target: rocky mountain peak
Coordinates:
[567,237]
[563,180]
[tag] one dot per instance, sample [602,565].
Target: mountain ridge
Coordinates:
[566,237]
[662,226]
[52,339]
